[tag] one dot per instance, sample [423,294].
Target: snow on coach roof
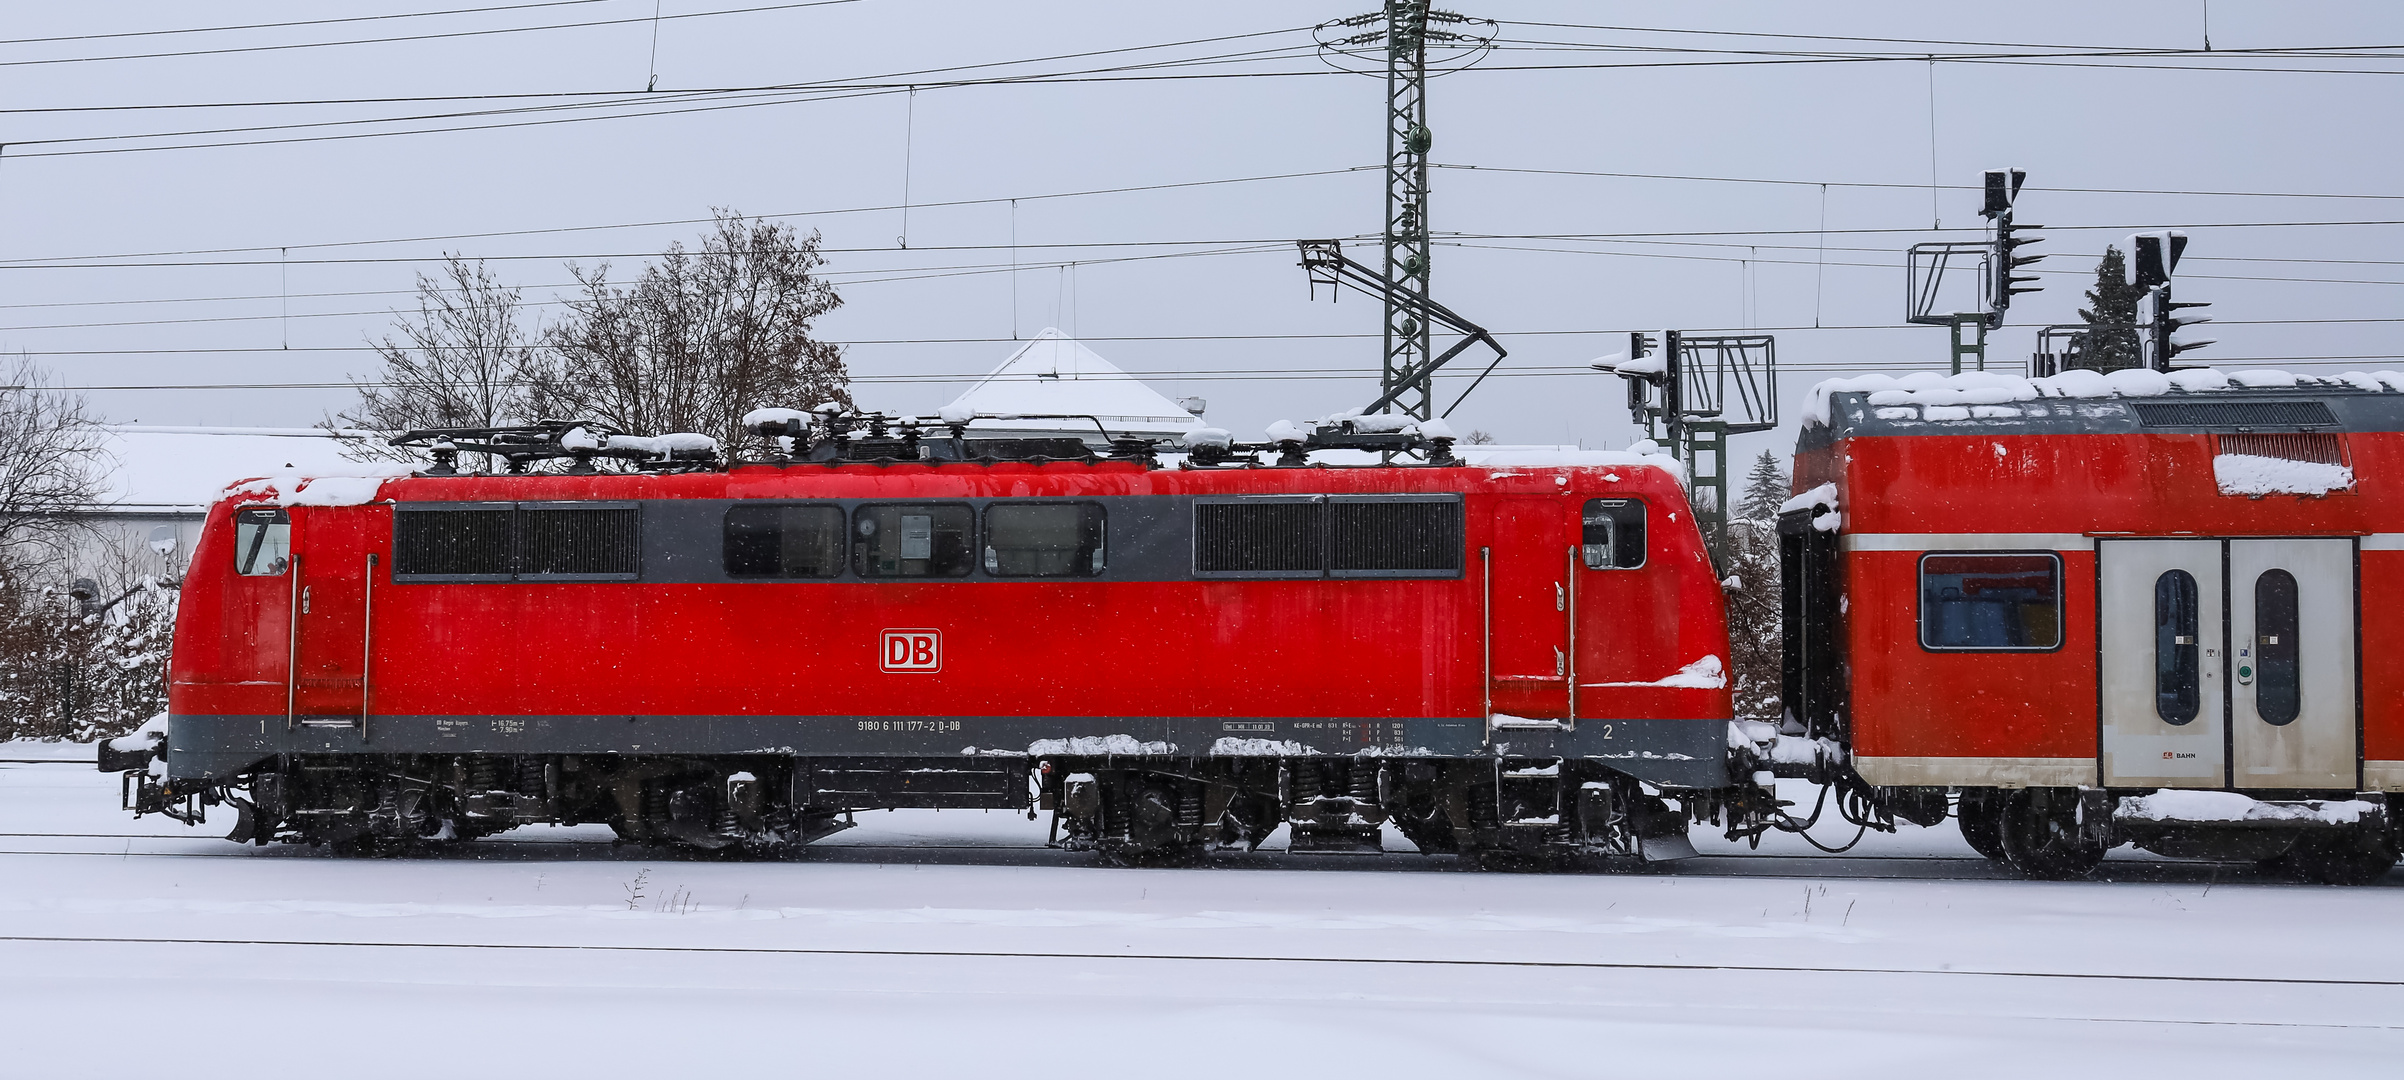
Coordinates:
[1932,403]
[1054,375]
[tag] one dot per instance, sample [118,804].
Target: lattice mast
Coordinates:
[1400,39]
[1408,261]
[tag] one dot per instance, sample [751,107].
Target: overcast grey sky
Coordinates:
[294,246]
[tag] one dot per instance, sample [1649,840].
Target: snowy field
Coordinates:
[955,944]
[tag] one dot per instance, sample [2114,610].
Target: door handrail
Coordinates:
[367,652]
[1571,722]
[292,647]
[1485,614]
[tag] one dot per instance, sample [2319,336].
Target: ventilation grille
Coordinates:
[578,543]
[1393,536]
[523,542]
[2234,414]
[2318,448]
[451,543]
[1258,537]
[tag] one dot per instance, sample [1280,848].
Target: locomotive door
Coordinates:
[2161,669]
[330,596]
[2291,627]
[1528,611]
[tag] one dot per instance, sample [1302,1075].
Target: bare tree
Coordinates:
[53,466]
[700,337]
[465,359]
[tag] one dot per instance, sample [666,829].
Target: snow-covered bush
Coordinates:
[69,674]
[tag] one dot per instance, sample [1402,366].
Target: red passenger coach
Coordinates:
[2137,615]
[887,615]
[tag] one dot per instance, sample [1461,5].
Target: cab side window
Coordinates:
[1613,534]
[262,541]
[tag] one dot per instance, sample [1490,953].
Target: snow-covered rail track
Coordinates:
[1216,958]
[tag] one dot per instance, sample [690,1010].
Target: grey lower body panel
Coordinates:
[1688,753]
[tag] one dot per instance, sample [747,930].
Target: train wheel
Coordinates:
[1153,836]
[1981,816]
[1432,834]
[2348,858]
[2041,838]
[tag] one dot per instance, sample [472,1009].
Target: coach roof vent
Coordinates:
[2226,413]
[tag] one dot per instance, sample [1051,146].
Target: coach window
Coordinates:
[784,541]
[1613,534]
[2278,692]
[2177,668]
[913,540]
[1044,539]
[1991,602]
[262,542]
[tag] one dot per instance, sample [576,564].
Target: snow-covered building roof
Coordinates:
[1054,375]
[180,470]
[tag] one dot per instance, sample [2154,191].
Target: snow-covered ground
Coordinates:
[955,944]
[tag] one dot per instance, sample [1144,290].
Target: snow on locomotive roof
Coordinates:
[354,484]
[1926,400]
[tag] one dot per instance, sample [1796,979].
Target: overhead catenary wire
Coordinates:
[827,90]
[632,108]
[387,17]
[74,262]
[432,36]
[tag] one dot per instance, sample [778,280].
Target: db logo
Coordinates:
[913,650]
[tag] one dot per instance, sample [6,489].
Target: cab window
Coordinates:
[1044,539]
[262,541]
[913,540]
[1613,534]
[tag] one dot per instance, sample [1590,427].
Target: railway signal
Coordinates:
[1928,302]
[1690,392]
[2003,189]
[2153,260]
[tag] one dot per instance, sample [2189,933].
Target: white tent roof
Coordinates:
[1054,375]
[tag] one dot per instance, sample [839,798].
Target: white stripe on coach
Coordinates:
[1969,542]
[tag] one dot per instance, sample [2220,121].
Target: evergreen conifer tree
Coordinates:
[2112,300]
[1765,490]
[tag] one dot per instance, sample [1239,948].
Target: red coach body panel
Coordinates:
[1908,487]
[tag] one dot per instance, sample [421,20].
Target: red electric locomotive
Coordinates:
[1497,657]
[2141,608]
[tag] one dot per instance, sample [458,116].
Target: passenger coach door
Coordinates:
[2161,663]
[2291,625]
[1527,614]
